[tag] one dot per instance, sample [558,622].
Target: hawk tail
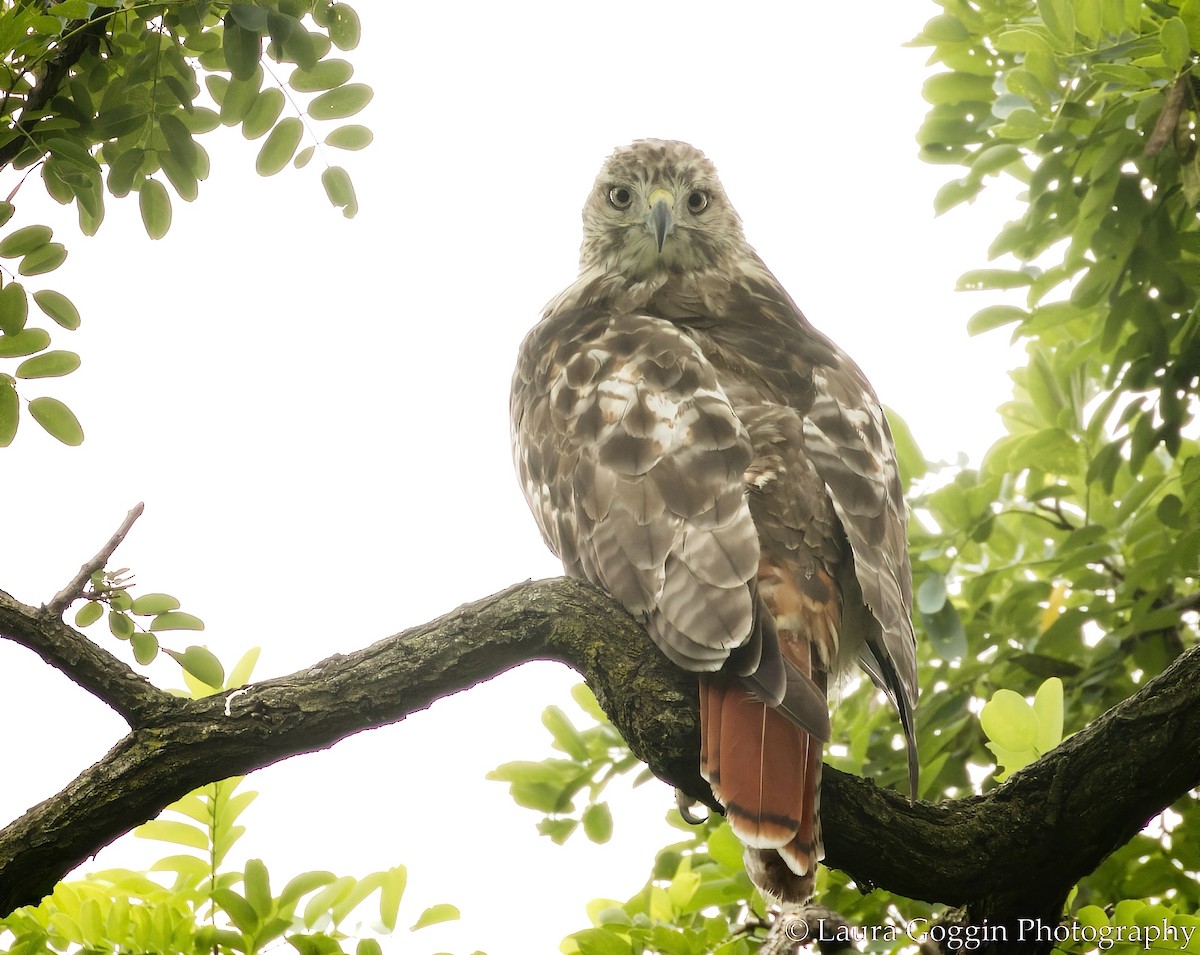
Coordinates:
[766,772]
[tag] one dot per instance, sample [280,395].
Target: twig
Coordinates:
[62,600]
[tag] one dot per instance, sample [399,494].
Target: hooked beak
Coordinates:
[660,222]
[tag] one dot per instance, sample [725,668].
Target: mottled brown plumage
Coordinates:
[687,440]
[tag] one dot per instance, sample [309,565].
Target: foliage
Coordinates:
[1020,732]
[596,756]
[111,588]
[1064,568]
[106,98]
[206,905]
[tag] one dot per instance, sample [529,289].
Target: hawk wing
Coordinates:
[634,463]
[849,442]
[764,337]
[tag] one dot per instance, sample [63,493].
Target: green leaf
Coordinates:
[1121,73]
[74,153]
[263,114]
[176,620]
[1059,17]
[145,647]
[340,190]
[14,308]
[149,604]
[326,899]
[344,27]
[279,146]
[290,40]
[557,831]
[586,700]
[179,139]
[995,158]
[46,259]
[564,732]
[201,663]
[368,946]
[319,944]
[341,102]
[249,16]
[304,156]
[1009,721]
[1177,50]
[155,205]
[957,87]
[25,240]
[1048,707]
[6,212]
[302,884]
[390,893]
[89,613]
[443,912]
[945,632]
[256,883]
[993,279]
[598,823]
[57,419]
[240,674]
[124,170]
[51,364]
[120,625]
[931,595]
[349,137]
[954,193]
[239,98]
[326,75]
[25,342]
[241,913]
[242,47]
[600,941]
[58,307]
[994,316]
[173,831]
[10,410]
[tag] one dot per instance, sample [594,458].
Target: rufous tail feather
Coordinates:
[765,770]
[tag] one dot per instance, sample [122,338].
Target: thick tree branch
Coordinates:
[96,670]
[1012,853]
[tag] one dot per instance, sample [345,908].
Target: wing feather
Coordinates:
[633,461]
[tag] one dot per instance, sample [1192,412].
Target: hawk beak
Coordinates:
[660,222]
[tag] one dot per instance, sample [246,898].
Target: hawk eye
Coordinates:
[697,201]
[620,197]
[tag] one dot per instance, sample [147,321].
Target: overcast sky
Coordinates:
[315,409]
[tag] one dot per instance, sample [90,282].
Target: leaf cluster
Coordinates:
[595,757]
[140,620]
[105,99]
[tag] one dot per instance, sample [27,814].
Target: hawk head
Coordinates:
[658,208]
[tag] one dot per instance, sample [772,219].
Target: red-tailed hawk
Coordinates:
[688,441]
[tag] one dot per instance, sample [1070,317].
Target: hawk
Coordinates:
[689,442]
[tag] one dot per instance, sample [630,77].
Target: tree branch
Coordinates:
[136,699]
[1011,853]
[74,588]
[78,37]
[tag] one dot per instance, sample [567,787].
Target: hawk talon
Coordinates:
[684,803]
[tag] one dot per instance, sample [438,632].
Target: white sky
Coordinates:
[315,410]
